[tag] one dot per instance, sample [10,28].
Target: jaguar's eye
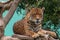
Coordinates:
[40,14]
[33,15]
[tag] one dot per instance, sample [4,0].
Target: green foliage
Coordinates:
[52,8]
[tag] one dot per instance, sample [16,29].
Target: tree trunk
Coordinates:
[9,15]
[11,11]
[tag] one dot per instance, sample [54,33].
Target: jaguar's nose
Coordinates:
[37,21]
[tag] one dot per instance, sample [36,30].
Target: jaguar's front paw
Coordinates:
[35,35]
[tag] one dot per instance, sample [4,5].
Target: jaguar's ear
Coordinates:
[27,10]
[43,8]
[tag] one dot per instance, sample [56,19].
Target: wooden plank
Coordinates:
[22,37]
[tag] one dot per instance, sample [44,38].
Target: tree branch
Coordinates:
[22,37]
[2,4]
[5,2]
[11,11]
[4,7]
